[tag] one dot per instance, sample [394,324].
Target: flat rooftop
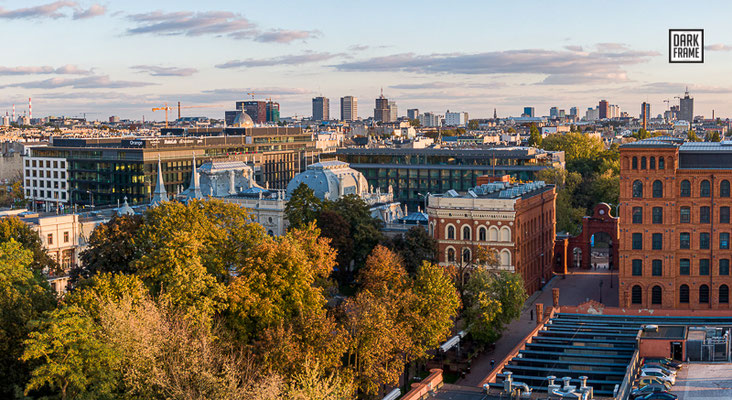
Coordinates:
[711,381]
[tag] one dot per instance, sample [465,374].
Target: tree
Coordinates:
[493,301]
[692,137]
[303,207]
[333,226]
[473,125]
[576,146]
[641,134]
[111,248]
[24,296]
[14,228]
[415,123]
[713,137]
[535,138]
[415,246]
[365,229]
[314,384]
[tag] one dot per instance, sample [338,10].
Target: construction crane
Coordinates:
[166,109]
[251,94]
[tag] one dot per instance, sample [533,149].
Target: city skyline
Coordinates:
[115,62]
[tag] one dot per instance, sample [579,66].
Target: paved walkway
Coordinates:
[575,289]
[704,381]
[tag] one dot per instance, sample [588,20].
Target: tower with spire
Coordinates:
[159,195]
[194,190]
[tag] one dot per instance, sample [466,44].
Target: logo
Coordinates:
[686,45]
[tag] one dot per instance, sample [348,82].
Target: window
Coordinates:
[482,235]
[657,215]
[657,241]
[685,215]
[637,215]
[704,189]
[656,295]
[652,163]
[724,188]
[657,189]
[704,267]
[451,255]
[724,215]
[724,266]
[643,162]
[704,294]
[704,215]
[636,295]
[50,239]
[684,294]
[724,240]
[637,268]
[684,265]
[637,241]
[451,232]
[685,188]
[637,189]
[684,240]
[66,237]
[724,294]
[657,268]
[704,240]
[635,162]
[661,163]
[466,256]
[466,233]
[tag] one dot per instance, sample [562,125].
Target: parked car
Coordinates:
[660,396]
[646,390]
[662,371]
[652,380]
[661,367]
[667,362]
[660,375]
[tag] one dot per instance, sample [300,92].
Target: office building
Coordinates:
[430,120]
[257,110]
[562,114]
[456,118]
[273,112]
[413,113]
[675,224]
[517,220]
[529,112]
[349,108]
[321,109]
[645,114]
[381,111]
[414,172]
[553,112]
[574,113]
[686,108]
[393,111]
[603,109]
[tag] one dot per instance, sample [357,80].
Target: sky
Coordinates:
[124,57]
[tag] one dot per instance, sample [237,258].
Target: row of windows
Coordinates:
[49,238]
[657,294]
[684,267]
[705,215]
[684,189]
[48,194]
[491,234]
[504,256]
[39,163]
[41,183]
[648,164]
[684,241]
[47,174]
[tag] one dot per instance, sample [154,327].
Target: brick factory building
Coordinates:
[517,220]
[675,224]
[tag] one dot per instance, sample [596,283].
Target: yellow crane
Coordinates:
[166,109]
[251,94]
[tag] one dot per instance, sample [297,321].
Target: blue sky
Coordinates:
[124,57]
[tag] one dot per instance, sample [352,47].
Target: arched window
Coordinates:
[482,234]
[704,294]
[656,295]
[724,188]
[661,163]
[652,163]
[685,188]
[724,294]
[643,162]
[451,255]
[684,294]
[466,233]
[505,257]
[493,234]
[505,234]
[466,256]
[657,189]
[636,295]
[637,189]
[705,189]
[451,232]
[635,162]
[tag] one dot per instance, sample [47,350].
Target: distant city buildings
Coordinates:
[413,113]
[574,113]
[257,110]
[553,113]
[645,114]
[603,111]
[686,108]
[430,120]
[456,118]
[273,112]
[529,112]
[349,108]
[321,109]
[385,110]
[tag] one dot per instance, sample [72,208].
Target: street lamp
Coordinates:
[91,198]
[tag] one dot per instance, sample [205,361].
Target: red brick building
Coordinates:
[675,224]
[517,220]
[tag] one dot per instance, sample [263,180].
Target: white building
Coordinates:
[46,181]
[592,114]
[429,119]
[456,118]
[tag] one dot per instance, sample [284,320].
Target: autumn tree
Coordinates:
[494,299]
[535,138]
[414,246]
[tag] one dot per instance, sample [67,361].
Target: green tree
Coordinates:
[14,228]
[364,228]
[333,226]
[303,207]
[713,137]
[415,123]
[24,296]
[575,145]
[415,246]
[111,248]
[312,383]
[692,137]
[535,138]
[473,125]
[493,301]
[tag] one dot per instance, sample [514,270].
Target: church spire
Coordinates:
[159,195]
[194,190]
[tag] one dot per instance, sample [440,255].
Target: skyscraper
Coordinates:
[603,109]
[553,112]
[321,109]
[574,112]
[349,108]
[257,110]
[686,108]
[393,111]
[529,112]
[381,111]
[273,112]
[413,113]
[645,114]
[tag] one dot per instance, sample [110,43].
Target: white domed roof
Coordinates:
[330,180]
[242,120]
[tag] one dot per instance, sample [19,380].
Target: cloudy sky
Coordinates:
[124,57]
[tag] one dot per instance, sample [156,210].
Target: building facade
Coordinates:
[272,110]
[675,224]
[321,109]
[349,108]
[381,111]
[257,110]
[686,108]
[603,109]
[516,220]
